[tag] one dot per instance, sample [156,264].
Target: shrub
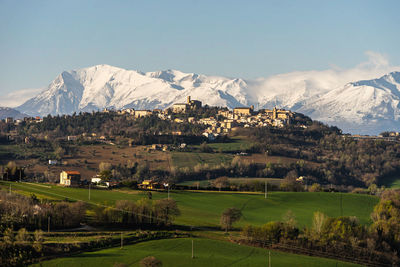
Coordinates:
[150,261]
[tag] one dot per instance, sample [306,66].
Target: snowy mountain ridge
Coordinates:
[365,106]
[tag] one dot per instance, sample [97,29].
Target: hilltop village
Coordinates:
[224,122]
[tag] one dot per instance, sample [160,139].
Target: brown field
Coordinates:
[88,159]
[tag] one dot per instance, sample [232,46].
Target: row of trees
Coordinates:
[143,212]
[17,211]
[109,124]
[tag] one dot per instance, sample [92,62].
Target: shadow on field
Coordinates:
[95,255]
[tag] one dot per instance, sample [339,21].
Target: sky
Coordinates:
[246,39]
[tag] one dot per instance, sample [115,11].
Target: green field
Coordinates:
[178,252]
[191,159]
[206,183]
[237,144]
[204,208]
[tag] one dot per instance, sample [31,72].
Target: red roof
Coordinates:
[73,172]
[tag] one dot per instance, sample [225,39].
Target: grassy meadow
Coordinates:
[203,208]
[178,252]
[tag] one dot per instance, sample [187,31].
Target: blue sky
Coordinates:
[247,39]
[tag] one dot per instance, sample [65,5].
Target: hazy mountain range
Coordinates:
[365,106]
[10,112]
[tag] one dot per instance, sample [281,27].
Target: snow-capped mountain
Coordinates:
[366,106]
[369,106]
[103,86]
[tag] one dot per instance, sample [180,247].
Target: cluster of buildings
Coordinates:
[225,120]
[26,119]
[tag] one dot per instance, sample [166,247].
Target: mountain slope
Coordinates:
[10,112]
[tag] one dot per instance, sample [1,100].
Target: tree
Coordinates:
[22,235]
[289,218]
[165,210]
[38,240]
[386,218]
[150,261]
[8,236]
[105,170]
[221,182]
[318,222]
[205,148]
[315,188]
[59,153]
[105,166]
[230,216]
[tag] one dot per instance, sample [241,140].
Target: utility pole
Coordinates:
[266,190]
[341,204]
[89,189]
[122,241]
[192,250]
[48,224]
[269,258]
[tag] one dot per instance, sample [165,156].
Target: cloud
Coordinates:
[290,88]
[375,60]
[18,97]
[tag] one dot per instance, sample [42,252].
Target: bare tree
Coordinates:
[230,216]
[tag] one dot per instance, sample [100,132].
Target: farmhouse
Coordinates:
[69,178]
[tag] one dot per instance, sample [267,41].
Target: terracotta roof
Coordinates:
[73,172]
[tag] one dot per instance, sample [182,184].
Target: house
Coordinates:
[149,184]
[72,138]
[210,136]
[96,179]
[53,162]
[69,178]
[142,113]
[156,146]
[224,113]
[176,133]
[180,107]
